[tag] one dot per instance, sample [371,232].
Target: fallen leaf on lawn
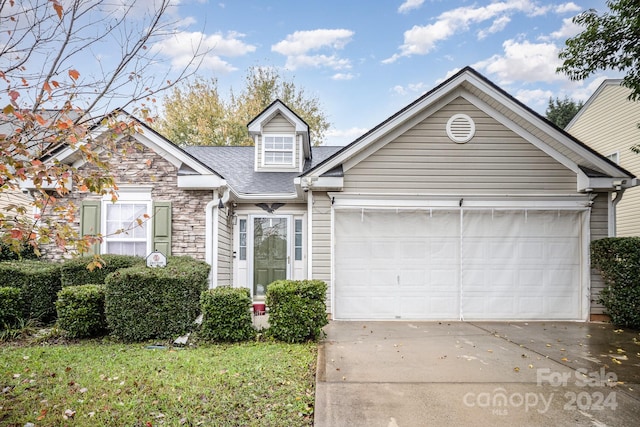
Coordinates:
[83,390]
[68,413]
[16,375]
[43,413]
[67,369]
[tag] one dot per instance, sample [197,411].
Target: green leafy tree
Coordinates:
[56,88]
[195,114]
[609,41]
[561,111]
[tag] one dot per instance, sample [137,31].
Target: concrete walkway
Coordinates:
[401,374]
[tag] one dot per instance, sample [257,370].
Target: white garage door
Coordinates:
[449,264]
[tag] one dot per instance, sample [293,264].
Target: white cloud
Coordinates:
[343,136]
[183,45]
[450,73]
[568,8]
[568,29]
[317,61]
[534,98]
[498,25]
[409,5]
[302,42]
[343,76]
[296,47]
[420,40]
[524,61]
[410,88]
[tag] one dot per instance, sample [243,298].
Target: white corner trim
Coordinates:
[211,239]
[310,235]
[585,302]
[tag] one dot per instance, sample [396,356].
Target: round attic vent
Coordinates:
[460,128]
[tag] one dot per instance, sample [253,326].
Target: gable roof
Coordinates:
[278,107]
[488,97]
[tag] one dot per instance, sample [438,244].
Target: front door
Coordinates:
[270,252]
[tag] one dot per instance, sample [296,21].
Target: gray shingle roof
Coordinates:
[235,164]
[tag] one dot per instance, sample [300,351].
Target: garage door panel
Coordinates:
[417,265]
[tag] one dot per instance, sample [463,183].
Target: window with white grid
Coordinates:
[278,150]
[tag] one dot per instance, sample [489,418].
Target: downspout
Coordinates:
[211,239]
[612,211]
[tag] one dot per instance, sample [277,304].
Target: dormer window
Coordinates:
[278,150]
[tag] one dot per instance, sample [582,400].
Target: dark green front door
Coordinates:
[269,252]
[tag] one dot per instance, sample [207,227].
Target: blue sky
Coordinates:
[366,59]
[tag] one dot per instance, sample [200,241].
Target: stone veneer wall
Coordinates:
[187,206]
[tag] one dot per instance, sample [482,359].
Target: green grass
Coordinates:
[254,384]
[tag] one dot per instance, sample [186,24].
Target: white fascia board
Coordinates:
[264,197]
[28,184]
[539,123]
[327,183]
[171,152]
[528,136]
[278,107]
[382,131]
[200,182]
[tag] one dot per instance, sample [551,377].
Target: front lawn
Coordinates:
[89,384]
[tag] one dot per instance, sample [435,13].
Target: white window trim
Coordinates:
[125,196]
[292,151]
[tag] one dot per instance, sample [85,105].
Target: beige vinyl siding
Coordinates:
[224,249]
[599,230]
[279,125]
[609,124]
[13,197]
[321,268]
[494,161]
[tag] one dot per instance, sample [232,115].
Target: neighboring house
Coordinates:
[608,123]
[465,204]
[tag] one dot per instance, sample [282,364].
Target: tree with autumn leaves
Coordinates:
[64,66]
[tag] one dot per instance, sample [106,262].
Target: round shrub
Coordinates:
[297,311]
[11,307]
[226,314]
[144,303]
[74,271]
[81,311]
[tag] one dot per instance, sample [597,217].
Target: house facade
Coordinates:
[464,205]
[608,122]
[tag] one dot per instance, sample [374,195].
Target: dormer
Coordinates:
[281,139]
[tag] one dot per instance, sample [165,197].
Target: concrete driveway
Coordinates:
[401,374]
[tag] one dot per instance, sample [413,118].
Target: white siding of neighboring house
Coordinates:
[13,197]
[321,241]
[609,124]
[425,160]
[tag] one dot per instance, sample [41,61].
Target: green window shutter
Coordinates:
[90,222]
[162,227]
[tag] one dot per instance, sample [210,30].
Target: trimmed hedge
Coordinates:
[81,311]
[226,314]
[297,311]
[75,272]
[39,282]
[618,259]
[11,306]
[155,303]
[26,252]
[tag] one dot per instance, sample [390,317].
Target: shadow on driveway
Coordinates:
[477,373]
